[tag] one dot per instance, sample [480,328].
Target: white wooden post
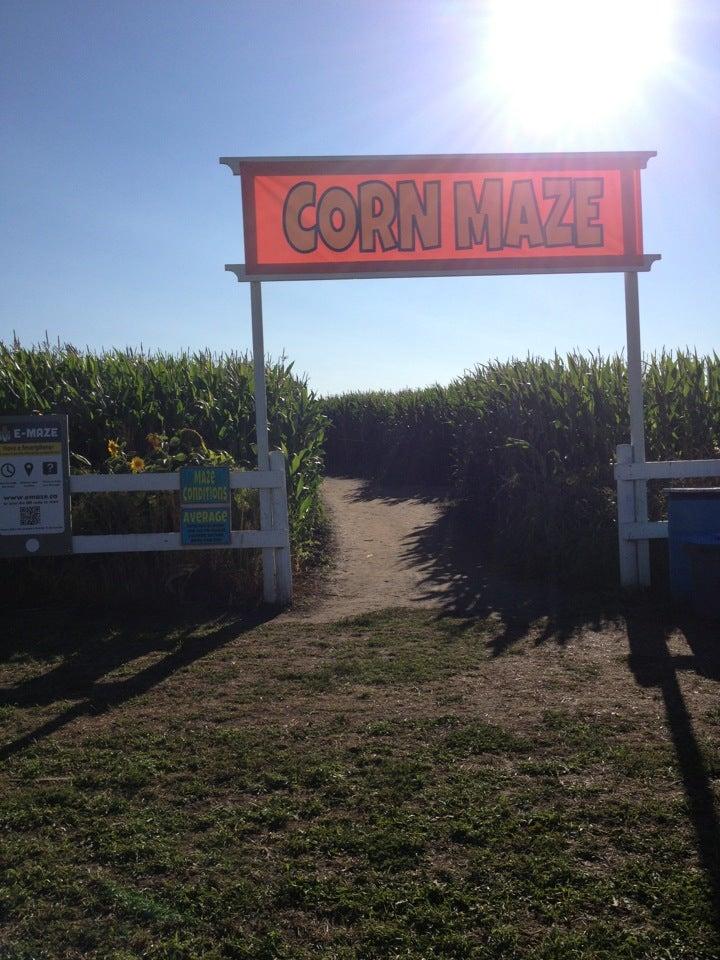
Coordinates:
[625,516]
[281,524]
[637,418]
[261,430]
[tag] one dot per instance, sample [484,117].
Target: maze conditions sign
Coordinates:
[494,213]
[205,506]
[34,486]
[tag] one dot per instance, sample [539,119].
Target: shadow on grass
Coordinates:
[94,649]
[458,581]
[653,665]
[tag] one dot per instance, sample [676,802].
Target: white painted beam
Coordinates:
[489,271]
[668,470]
[650,530]
[138,482]
[144,542]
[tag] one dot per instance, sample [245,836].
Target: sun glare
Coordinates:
[574,64]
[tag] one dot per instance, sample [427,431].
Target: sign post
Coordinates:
[34,486]
[641,574]
[262,435]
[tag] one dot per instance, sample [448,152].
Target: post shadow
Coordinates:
[653,665]
[459,580]
[99,652]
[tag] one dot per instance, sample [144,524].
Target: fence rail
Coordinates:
[139,482]
[273,537]
[667,470]
[143,542]
[633,531]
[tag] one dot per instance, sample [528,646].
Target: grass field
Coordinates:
[397,786]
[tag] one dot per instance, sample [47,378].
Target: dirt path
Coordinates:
[375,566]
[397,547]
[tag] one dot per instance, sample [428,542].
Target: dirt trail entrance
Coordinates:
[403,547]
[375,566]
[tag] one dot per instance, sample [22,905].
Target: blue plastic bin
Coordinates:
[694,545]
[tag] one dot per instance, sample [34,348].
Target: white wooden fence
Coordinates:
[634,529]
[273,538]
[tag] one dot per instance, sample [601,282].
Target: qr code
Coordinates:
[29,516]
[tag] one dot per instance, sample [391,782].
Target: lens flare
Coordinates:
[574,64]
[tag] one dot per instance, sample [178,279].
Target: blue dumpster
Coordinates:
[694,543]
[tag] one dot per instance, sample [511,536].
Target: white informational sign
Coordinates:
[34,487]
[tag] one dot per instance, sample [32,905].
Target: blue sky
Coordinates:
[117,219]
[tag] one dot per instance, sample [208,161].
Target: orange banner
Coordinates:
[407,215]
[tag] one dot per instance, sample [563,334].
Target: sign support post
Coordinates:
[261,430]
[637,423]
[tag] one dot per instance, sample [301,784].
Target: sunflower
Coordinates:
[155,440]
[137,464]
[113,448]
[191,438]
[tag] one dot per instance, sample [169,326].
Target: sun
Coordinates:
[574,64]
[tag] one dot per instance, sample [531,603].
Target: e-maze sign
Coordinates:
[34,486]
[496,213]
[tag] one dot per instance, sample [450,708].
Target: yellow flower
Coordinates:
[154,440]
[113,448]
[137,464]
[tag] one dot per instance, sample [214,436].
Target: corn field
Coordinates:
[529,445]
[128,397]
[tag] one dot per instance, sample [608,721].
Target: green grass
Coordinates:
[240,808]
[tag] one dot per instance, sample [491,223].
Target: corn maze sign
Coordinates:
[497,213]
